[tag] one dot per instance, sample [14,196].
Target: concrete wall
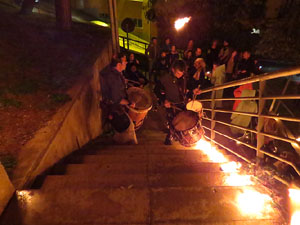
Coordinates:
[74,124]
[6,189]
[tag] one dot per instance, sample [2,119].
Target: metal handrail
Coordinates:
[261,79]
[257,78]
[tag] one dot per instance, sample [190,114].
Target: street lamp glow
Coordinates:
[181,22]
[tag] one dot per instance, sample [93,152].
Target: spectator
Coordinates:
[166,47]
[173,55]
[190,47]
[246,66]
[212,55]
[189,61]
[132,60]
[135,77]
[198,78]
[198,53]
[152,52]
[224,53]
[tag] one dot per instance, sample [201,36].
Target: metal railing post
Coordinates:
[212,122]
[260,125]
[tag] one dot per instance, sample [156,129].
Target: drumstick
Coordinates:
[132,81]
[175,107]
[194,97]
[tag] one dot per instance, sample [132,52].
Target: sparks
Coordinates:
[181,22]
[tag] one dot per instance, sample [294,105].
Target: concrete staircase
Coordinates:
[145,184]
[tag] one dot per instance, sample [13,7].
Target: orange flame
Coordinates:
[181,22]
[254,204]
[235,179]
[231,167]
[213,154]
[294,195]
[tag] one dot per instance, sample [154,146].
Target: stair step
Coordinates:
[141,168]
[57,182]
[184,157]
[203,204]
[84,206]
[187,205]
[106,168]
[204,179]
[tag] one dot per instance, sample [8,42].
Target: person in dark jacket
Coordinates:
[114,99]
[171,91]
[135,77]
[173,55]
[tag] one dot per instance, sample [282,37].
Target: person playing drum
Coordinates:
[114,98]
[171,92]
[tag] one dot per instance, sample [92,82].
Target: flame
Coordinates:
[254,204]
[294,195]
[295,218]
[235,179]
[298,139]
[213,154]
[181,22]
[231,167]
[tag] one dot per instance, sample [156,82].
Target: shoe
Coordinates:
[168,140]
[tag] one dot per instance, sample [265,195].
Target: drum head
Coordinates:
[195,106]
[185,120]
[140,97]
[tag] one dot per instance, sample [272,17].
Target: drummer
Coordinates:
[171,92]
[115,98]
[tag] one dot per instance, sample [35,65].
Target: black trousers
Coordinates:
[171,114]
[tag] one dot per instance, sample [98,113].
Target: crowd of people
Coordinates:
[178,77]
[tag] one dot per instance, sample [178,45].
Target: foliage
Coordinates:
[25,86]
[6,102]
[210,18]
[8,161]
[280,37]
[60,98]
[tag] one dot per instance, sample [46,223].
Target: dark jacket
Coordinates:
[113,86]
[136,76]
[170,88]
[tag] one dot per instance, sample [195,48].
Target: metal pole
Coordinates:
[260,125]
[116,25]
[112,26]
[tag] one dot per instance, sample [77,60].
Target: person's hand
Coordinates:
[142,80]
[208,74]
[167,104]
[197,91]
[132,105]
[124,102]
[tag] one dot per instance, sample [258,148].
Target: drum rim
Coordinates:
[195,101]
[148,96]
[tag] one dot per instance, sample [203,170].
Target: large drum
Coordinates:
[186,127]
[143,103]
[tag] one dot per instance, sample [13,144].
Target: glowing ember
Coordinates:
[181,22]
[231,167]
[298,139]
[213,154]
[295,218]
[254,204]
[235,179]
